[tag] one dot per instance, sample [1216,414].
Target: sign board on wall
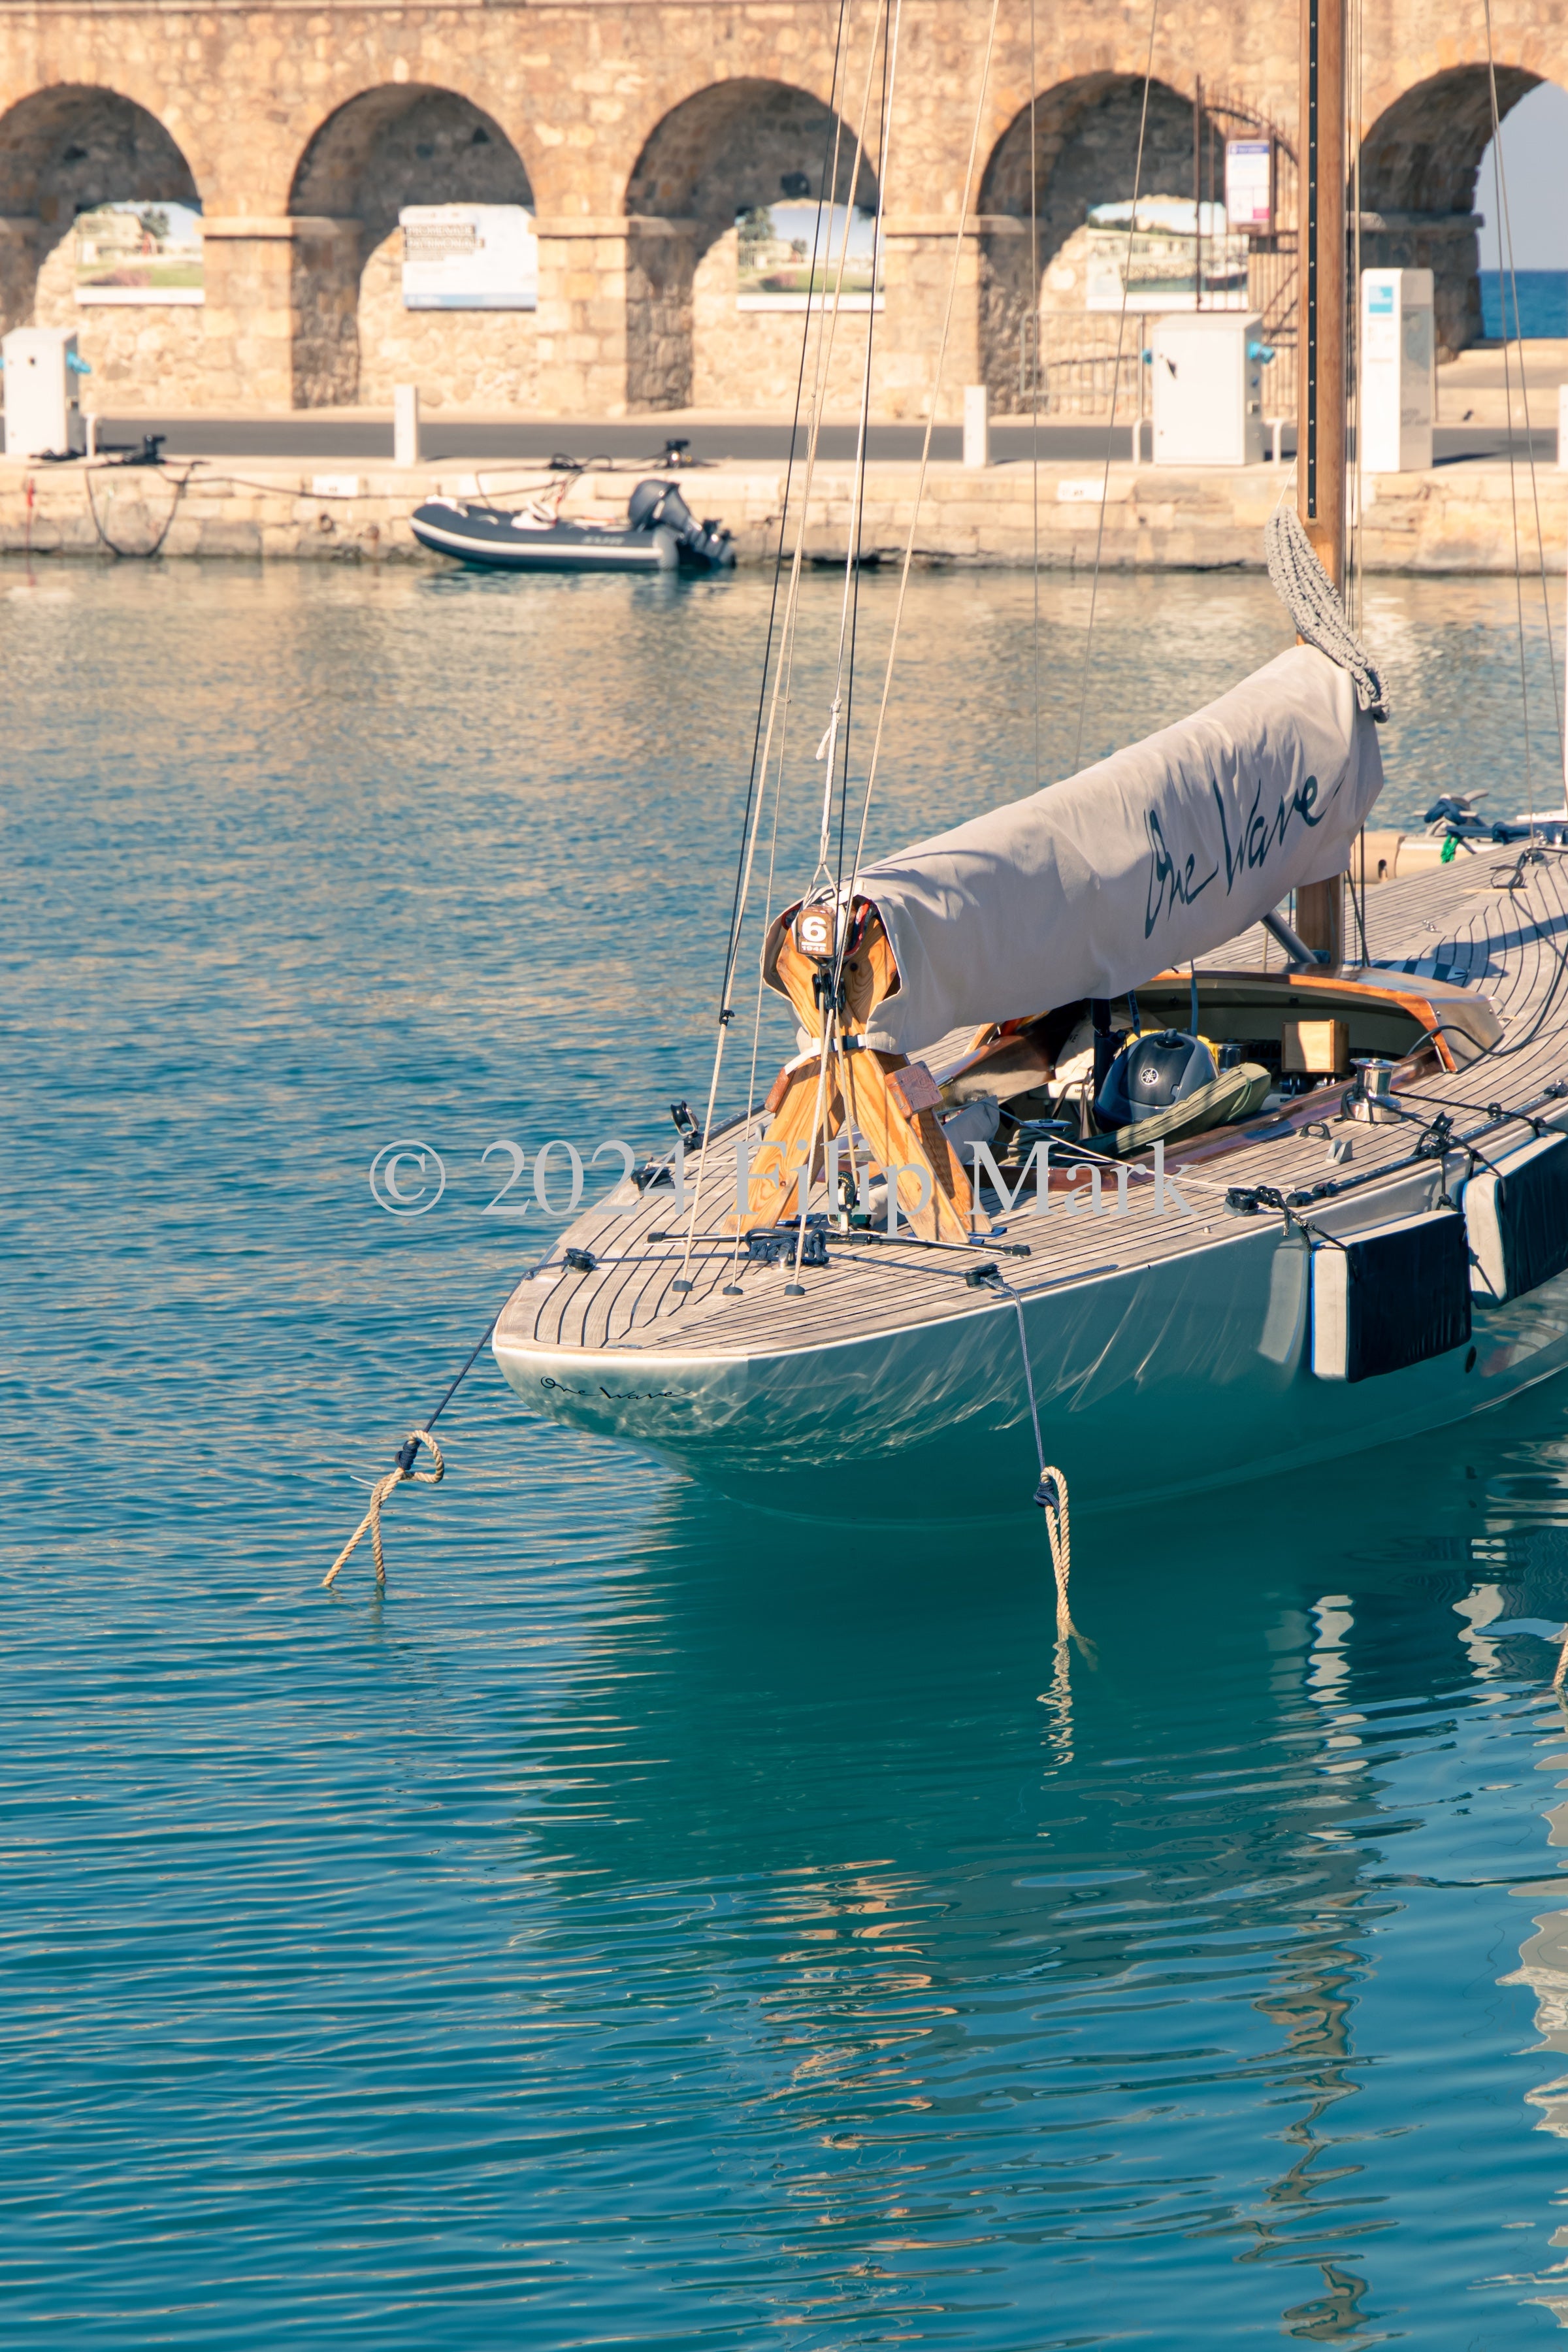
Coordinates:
[139,253]
[469,257]
[787,257]
[1249,184]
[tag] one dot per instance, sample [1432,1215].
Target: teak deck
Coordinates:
[1457,923]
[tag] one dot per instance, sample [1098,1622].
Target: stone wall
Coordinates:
[636,132]
[1458,518]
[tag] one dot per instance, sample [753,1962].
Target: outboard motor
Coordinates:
[656,506]
[1151,1073]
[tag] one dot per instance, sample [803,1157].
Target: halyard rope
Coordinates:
[1314,605]
[398,1476]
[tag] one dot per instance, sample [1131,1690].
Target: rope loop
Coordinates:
[1051,1496]
[1313,602]
[402,1473]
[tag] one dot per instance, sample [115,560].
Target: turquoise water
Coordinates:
[1541,308]
[651,1923]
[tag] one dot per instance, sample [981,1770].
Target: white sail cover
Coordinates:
[1154,856]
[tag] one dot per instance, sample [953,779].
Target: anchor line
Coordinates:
[402,1472]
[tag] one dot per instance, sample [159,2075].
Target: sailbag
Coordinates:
[1152,857]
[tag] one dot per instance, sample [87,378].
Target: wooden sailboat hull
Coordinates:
[1171,1347]
[1153,1382]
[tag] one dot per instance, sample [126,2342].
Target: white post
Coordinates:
[405,423]
[1277,430]
[1137,440]
[976,425]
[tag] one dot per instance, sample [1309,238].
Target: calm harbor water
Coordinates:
[652,1923]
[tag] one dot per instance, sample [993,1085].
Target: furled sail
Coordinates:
[1158,854]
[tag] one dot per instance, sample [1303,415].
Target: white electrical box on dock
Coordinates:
[43,418]
[1208,389]
[1398,393]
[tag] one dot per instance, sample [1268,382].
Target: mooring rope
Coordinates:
[402,1473]
[402,1470]
[1051,1493]
[1316,608]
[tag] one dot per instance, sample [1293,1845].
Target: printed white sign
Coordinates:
[1249,183]
[469,257]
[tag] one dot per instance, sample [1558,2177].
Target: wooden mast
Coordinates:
[1320,398]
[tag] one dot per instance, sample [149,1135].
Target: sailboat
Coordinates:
[1111,1141]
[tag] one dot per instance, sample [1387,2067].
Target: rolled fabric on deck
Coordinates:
[1152,857]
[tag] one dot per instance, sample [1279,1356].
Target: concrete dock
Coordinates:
[1455,518]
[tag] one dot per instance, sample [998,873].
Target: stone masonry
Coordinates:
[635,131]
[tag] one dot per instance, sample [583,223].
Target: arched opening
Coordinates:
[64,153]
[1532,139]
[357,331]
[1418,193]
[1079,154]
[722,159]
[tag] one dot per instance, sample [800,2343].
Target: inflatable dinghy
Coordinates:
[660,534]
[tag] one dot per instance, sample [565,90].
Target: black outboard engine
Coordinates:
[1151,1073]
[660,505]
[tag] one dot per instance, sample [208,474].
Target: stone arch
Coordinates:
[405,143]
[63,150]
[1085,152]
[727,149]
[1418,167]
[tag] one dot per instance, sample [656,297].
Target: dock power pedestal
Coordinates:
[1209,369]
[43,411]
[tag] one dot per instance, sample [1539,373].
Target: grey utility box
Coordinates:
[42,415]
[1208,388]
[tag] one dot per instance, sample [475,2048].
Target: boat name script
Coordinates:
[1171,881]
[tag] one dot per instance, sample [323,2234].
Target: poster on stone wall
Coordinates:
[469,257]
[1176,249]
[787,257]
[1249,184]
[139,253]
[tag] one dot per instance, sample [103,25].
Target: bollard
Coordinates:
[1277,427]
[1138,441]
[406,425]
[976,425]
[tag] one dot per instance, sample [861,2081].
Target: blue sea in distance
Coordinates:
[1541,308]
[649,1922]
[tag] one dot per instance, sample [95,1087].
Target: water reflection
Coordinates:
[653,1921]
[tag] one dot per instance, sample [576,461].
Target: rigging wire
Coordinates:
[905,567]
[889,81]
[1033,345]
[850,603]
[1505,227]
[1115,384]
[733,941]
[1507,402]
[785,670]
